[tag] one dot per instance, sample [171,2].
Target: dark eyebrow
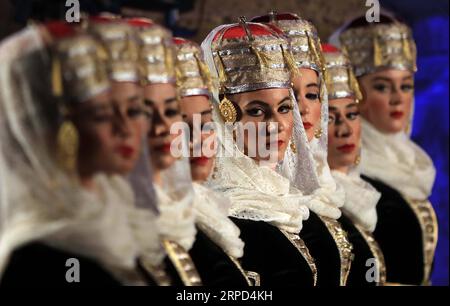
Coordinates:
[379,78]
[133,98]
[259,102]
[170,100]
[206,112]
[284,99]
[313,85]
[332,108]
[351,105]
[148,102]
[408,77]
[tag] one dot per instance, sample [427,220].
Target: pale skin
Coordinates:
[307,90]
[161,99]
[201,166]
[267,105]
[110,126]
[344,134]
[388,97]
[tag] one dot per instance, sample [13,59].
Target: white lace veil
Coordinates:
[175,200]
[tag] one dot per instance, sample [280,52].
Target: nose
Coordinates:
[397,97]
[122,124]
[160,126]
[276,125]
[343,129]
[304,109]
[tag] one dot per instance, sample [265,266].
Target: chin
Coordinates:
[164,162]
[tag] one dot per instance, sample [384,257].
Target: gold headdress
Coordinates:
[251,56]
[303,37]
[119,40]
[156,51]
[339,78]
[193,77]
[378,46]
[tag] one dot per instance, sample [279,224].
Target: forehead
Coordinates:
[269,96]
[341,104]
[195,104]
[158,93]
[123,89]
[392,74]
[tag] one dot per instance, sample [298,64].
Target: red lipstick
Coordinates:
[200,161]
[125,151]
[347,148]
[396,114]
[164,148]
[307,125]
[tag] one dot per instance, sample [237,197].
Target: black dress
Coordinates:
[214,266]
[38,265]
[270,253]
[362,253]
[399,235]
[323,249]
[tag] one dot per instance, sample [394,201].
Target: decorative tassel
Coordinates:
[317,58]
[168,59]
[377,53]
[290,61]
[221,70]
[67,142]
[263,59]
[353,83]
[328,81]
[204,71]
[57,86]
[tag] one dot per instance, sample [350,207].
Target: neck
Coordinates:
[157,177]
[342,169]
[88,183]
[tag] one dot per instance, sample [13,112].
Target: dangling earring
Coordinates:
[67,142]
[318,133]
[358,160]
[214,176]
[227,110]
[293,146]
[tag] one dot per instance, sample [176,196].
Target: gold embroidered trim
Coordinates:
[158,273]
[183,263]
[426,216]
[304,251]
[248,275]
[344,246]
[377,254]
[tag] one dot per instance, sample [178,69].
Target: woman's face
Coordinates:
[111,126]
[270,106]
[344,133]
[388,97]
[201,166]
[307,91]
[162,101]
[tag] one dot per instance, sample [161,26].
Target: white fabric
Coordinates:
[211,214]
[176,220]
[256,192]
[39,202]
[397,161]
[361,199]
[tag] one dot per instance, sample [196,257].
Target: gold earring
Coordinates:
[318,133]
[357,160]
[67,141]
[293,146]
[227,110]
